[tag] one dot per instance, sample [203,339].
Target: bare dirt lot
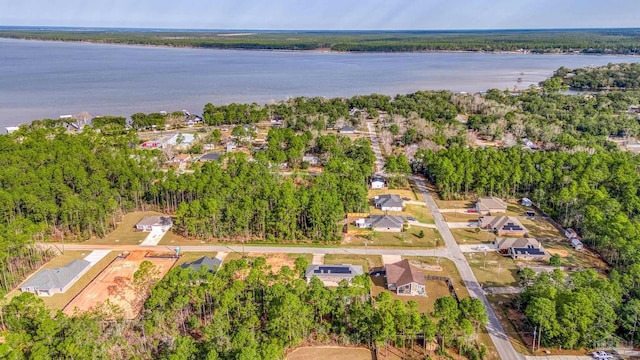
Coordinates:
[330,353]
[115,283]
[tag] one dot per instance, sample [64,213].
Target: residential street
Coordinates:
[497,333]
[376,148]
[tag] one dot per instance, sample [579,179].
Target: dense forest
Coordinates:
[244,311]
[610,76]
[588,41]
[595,193]
[247,200]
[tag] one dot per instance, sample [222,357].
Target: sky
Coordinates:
[323,14]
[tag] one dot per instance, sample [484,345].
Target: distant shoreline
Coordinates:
[317,50]
[570,42]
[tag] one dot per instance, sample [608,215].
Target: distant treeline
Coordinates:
[588,41]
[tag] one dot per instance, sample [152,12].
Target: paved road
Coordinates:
[443,252]
[494,328]
[375,144]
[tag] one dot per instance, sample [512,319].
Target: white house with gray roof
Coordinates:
[388,202]
[385,223]
[154,222]
[47,282]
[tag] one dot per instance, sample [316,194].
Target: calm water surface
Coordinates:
[49,79]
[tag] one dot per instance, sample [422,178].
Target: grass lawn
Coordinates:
[493,269]
[448,269]
[470,236]
[192,256]
[455,204]
[366,261]
[460,217]
[126,233]
[171,238]
[409,238]
[421,213]
[517,209]
[541,229]
[574,258]
[402,192]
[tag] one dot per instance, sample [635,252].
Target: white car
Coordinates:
[602,355]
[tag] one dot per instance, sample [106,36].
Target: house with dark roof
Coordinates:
[332,275]
[47,282]
[490,205]
[153,222]
[388,202]
[405,280]
[384,223]
[210,157]
[211,264]
[521,248]
[347,130]
[503,225]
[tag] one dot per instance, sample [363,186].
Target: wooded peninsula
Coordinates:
[584,41]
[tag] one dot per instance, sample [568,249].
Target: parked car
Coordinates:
[411,218]
[472,211]
[602,355]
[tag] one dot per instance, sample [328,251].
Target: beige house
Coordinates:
[405,280]
[521,248]
[503,225]
[490,205]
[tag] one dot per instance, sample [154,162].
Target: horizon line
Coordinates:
[62,27]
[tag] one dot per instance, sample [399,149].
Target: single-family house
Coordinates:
[388,202]
[577,244]
[210,157]
[332,275]
[47,282]
[490,205]
[526,201]
[311,159]
[383,223]
[11,129]
[503,225]
[404,279]
[521,248]
[181,159]
[181,139]
[153,222]
[377,182]
[231,146]
[347,130]
[209,263]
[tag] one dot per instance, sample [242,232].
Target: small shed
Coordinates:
[570,233]
[526,201]
[577,244]
[347,130]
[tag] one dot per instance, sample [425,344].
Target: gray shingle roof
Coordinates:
[155,220]
[210,157]
[384,221]
[57,278]
[210,263]
[388,200]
